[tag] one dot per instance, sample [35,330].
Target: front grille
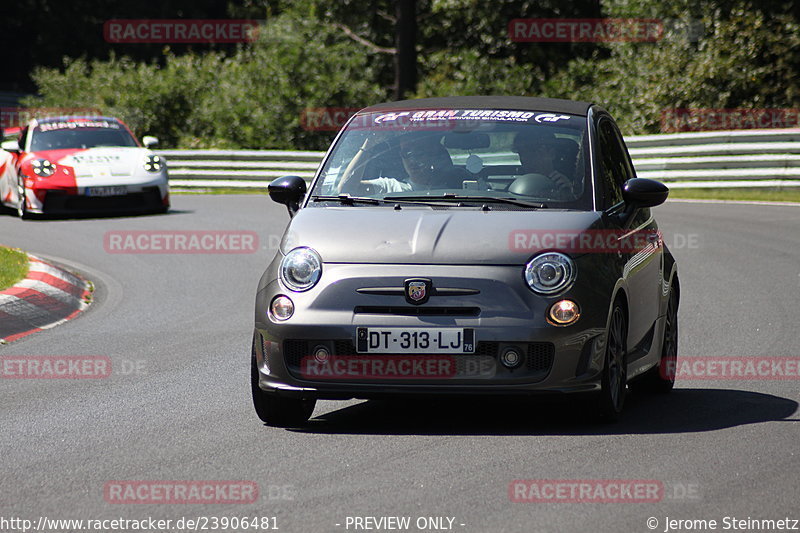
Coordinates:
[56,201]
[539,359]
[416,311]
[540,356]
[293,353]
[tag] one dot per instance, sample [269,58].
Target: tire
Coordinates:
[615,372]
[276,411]
[661,378]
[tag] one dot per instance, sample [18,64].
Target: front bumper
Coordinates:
[504,315]
[144,193]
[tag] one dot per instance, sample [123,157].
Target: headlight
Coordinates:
[43,167]
[153,163]
[301,269]
[550,273]
[281,308]
[564,313]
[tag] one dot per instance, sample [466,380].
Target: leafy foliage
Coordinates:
[326,53]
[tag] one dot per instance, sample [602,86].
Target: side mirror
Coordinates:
[149,141]
[289,191]
[10,146]
[642,192]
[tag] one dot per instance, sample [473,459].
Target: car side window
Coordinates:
[624,158]
[613,171]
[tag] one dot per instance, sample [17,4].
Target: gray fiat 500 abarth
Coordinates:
[465,246]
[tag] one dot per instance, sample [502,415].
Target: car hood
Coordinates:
[457,235]
[106,161]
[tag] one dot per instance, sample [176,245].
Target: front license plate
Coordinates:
[106,191]
[415,340]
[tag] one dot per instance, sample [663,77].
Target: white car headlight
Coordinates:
[43,167]
[153,163]
[301,269]
[550,273]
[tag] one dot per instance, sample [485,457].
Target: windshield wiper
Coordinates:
[346,199]
[448,197]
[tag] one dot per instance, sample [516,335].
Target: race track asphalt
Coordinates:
[177,328]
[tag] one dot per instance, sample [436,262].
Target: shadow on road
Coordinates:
[682,411]
[121,213]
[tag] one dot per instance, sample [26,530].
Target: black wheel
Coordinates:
[615,371]
[22,207]
[276,411]
[661,378]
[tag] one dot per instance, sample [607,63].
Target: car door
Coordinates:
[639,241]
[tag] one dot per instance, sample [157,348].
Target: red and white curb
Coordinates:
[47,297]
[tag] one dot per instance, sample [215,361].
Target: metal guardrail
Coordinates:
[744,158]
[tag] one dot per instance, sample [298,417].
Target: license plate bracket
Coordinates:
[415,340]
[114,190]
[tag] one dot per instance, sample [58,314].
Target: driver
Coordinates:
[538,152]
[427,163]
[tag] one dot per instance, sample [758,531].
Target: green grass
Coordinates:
[13,266]
[786,194]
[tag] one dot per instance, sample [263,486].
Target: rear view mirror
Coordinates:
[642,192]
[289,191]
[10,146]
[466,141]
[149,141]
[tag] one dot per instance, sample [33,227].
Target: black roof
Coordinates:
[520,103]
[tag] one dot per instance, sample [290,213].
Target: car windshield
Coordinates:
[58,135]
[536,157]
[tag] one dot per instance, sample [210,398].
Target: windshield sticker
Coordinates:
[73,125]
[550,117]
[497,115]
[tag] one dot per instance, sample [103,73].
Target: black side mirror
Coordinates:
[642,192]
[289,191]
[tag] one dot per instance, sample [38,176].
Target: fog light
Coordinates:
[564,313]
[511,358]
[321,354]
[281,308]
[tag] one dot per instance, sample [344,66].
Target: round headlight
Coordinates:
[301,269]
[153,163]
[43,167]
[564,313]
[550,273]
[281,308]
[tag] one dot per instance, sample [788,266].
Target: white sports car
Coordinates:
[91,163]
